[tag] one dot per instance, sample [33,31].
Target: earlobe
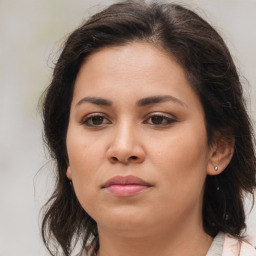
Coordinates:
[69,173]
[220,156]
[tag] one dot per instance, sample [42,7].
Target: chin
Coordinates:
[125,220]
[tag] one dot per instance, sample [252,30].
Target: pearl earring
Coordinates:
[216,168]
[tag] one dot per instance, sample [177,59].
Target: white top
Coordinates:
[217,245]
[222,245]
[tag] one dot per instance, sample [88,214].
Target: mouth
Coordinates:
[125,186]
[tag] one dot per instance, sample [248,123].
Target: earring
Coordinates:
[216,168]
[225,216]
[216,183]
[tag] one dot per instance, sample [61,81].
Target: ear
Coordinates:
[221,154]
[69,173]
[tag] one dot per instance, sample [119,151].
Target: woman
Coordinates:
[154,148]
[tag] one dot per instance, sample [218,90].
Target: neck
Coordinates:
[185,241]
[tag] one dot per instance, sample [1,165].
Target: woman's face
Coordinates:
[137,142]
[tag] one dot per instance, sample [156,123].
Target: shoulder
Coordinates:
[235,247]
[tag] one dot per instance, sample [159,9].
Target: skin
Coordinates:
[163,143]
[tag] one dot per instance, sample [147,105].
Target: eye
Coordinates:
[95,120]
[160,120]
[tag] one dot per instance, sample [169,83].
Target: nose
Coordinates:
[126,146]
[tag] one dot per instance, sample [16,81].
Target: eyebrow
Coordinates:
[140,103]
[96,101]
[159,99]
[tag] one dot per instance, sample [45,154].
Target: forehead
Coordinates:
[136,69]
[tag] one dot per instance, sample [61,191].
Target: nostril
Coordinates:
[115,159]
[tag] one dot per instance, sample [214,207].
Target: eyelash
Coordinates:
[168,120]
[87,121]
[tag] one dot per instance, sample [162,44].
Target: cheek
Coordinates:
[83,150]
[85,156]
[182,160]
[181,165]
[178,149]
[84,160]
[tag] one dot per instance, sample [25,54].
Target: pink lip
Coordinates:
[125,186]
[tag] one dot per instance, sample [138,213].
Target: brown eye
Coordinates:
[160,120]
[95,120]
[157,119]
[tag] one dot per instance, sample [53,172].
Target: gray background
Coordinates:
[31,32]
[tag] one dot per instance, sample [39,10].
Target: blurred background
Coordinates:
[31,33]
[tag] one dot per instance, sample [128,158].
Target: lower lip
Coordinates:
[126,190]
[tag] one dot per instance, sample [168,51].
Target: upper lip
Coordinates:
[125,180]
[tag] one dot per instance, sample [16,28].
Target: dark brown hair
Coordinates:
[199,49]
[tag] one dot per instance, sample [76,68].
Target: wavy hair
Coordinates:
[209,68]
